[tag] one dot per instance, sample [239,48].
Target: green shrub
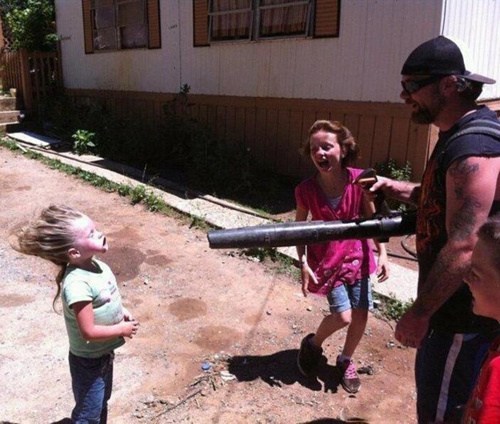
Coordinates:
[138,194]
[392,308]
[31,23]
[154,203]
[124,190]
[83,142]
[391,169]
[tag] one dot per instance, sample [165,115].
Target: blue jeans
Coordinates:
[351,296]
[446,368]
[92,381]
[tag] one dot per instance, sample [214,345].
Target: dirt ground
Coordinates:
[219,332]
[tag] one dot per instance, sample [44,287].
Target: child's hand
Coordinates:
[306,274]
[382,272]
[127,316]
[382,268]
[129,328]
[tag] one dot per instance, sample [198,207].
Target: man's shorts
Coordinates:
[446,369]
[351,296]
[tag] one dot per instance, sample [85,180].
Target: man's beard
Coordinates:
[428,115]
[422,116]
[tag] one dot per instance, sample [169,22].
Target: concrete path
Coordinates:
[402,285]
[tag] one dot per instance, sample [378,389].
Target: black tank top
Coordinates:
[456,314]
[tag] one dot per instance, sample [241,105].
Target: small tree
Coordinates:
[30,23]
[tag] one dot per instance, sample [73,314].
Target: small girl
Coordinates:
[342,269]
[484,283]
[96,321]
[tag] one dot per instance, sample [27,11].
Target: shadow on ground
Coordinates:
[280,369]
[274,198]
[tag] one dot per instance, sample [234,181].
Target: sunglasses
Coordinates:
[411,86]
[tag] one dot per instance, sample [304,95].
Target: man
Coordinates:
[460,188]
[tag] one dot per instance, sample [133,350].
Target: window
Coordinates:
[121,24]
[230,20]
[254,19]
[222,20]
[283,18]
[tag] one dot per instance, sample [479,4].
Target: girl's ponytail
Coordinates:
[50,237]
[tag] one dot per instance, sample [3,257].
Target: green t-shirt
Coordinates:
[101,289]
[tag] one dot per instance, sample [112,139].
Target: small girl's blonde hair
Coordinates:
[50,237]
[344,138]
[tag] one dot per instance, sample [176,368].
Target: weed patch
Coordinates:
[392,308]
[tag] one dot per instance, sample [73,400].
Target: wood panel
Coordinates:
[158,112]
[380,140]
[220,122]
[365,140]
[10,70]
[282,142]
[202,114]
[351,121]
[249,129]
[260,135]
[295,139]
[212,117]
[270,137]
[230,125]
[239,126]
[308,118]
[398,148]
[418,150]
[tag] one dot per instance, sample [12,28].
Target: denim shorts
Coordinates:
[351,296]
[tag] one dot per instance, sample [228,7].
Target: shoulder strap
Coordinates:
[480,126]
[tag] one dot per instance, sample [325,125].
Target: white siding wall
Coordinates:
[477,24]
[363,64]
[131,70]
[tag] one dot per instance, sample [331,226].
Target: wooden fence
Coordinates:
[34,75]
[272,129]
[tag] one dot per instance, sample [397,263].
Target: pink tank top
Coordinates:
[341,261]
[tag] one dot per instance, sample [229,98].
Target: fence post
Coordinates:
[27,91]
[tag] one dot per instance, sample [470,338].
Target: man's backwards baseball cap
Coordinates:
[440,56]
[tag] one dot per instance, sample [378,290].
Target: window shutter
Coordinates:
[200,23]
[154,27]
[327,18]
[88,37]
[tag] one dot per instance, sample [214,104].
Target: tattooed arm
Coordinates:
[471,187]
